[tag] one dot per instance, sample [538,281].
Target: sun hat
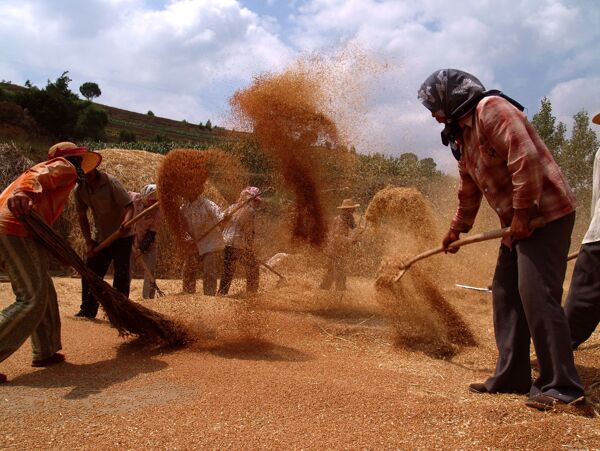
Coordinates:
[348,203]
[89,160]
[596,119]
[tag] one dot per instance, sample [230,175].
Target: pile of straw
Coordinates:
[12,164]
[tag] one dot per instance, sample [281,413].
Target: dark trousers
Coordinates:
[335,272]
[582,307]
[191,265]
[248,259]
[527,291]
[119,253]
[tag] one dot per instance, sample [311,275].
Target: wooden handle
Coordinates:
[270,268]
[121,230]
[572,255]
[228,217]
[484,236]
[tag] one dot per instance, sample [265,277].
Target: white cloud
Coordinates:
[570,97]
[185,58]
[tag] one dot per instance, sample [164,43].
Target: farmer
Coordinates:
[201,217]
[582,307]
[338,243]
[239,240]
[501,157]
[44,189]
[111,208]
[145,230]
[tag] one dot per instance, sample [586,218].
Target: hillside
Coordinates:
[149,128]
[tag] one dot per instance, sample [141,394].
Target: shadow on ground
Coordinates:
[133,358]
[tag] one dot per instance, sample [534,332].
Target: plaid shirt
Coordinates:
[505,160]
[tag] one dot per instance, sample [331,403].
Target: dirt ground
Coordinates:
[295,367]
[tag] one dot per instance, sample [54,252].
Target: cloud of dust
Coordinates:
[314,104]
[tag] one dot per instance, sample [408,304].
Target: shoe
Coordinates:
[478,387]
[3,378]
[82,314]
[55,358]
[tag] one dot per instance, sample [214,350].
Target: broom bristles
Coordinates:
[128,317]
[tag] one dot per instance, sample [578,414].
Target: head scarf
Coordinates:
[451,91]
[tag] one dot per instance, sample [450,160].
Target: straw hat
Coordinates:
[596,119]
[348,203]
[90,160]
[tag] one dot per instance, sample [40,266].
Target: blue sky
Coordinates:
[183,59]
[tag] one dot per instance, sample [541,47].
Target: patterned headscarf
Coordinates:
[448,90]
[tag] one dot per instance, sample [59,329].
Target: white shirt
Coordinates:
[199,216]
[593,233]
[239,231]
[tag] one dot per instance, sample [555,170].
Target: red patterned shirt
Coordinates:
[504,159]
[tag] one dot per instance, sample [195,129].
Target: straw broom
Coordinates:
[128,317]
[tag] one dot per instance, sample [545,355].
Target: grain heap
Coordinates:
[422,318]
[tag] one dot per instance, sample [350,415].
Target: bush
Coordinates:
[150,113]
[127,136]
[91,122]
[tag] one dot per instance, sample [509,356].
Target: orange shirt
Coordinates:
[48,184]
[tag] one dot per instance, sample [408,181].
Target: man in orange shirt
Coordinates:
[45,189]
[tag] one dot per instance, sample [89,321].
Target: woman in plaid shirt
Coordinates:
[500,156]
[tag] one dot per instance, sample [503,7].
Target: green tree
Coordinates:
[208,125]
[150,113]
[89,90]
[91,123]
[552,134]
[577,157]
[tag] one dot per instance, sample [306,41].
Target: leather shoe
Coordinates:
[82,314]
[478,387]
[55,358]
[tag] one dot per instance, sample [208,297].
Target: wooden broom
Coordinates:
[128,317]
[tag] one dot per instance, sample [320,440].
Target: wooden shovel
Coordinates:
[124,228]
[477,238]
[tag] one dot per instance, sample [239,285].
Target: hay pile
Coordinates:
[404,209]
[136,168]
[12,164]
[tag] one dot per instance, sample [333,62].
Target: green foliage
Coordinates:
[126,136]
[160,138]
[577,155]
[54,108]
[91,122]
[60,112]
[552,134]
[208,125]
[89,90]
[150,113]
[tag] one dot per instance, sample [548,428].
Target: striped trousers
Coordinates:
[35,310]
